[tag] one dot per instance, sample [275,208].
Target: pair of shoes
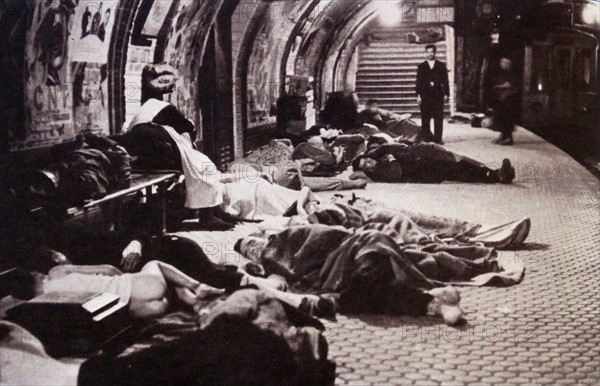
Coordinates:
[446,303]
[324,307]
[506,142]
[506,174]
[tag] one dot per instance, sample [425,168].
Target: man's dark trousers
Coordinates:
[432,86]
[432,107]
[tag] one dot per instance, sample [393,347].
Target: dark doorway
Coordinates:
[216,92]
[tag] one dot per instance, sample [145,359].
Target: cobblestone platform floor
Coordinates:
[544,331]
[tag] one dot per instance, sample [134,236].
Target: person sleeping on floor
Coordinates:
[426,163]
[388,264]
[362,272]
[158,145]
[396,125]
[358,212]
[147,292]
[378,260]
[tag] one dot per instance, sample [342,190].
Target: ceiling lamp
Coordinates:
[390,14]
[590,14]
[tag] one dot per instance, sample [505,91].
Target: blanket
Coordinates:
[244,339]
[203,185]
[379,267]
[358,211]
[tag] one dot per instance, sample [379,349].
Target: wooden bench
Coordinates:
[139,182]
[151,184]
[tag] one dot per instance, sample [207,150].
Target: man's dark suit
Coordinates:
[432,86]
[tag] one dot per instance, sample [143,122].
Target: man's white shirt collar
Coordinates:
[431,63]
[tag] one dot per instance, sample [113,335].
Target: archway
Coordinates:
[215,83]
[117,57]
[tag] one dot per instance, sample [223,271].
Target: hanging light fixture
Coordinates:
[390,14]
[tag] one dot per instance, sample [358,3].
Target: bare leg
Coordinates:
[294,300]
[171,274]
[149,288]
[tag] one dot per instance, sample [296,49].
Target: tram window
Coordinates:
[539,70]
[584,72]
[563,69]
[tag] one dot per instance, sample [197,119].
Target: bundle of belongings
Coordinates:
[86,169]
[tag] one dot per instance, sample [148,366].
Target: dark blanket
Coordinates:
[89,168]
[152,147]
[244,339]
[372,269]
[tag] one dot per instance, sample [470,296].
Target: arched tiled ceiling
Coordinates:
[321,23]
[318,40]
[270,24]
[331,39]
[333,69]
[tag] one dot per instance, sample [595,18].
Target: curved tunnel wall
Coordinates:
[327,32]
[262,42]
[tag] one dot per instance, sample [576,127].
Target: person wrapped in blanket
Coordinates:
[387,262]
[214,344]
[327,151]
[426,163]
[161,138]
[317,163]
[395,125]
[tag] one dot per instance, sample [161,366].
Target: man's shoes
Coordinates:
[506,174]
[425,137]
[440,142]
[446,303]
[323,307]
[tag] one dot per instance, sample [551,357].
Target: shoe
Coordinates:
[506,142]
[425,137]
[506,172]
[499,139]
[324,307]
[440,142]
[446,303]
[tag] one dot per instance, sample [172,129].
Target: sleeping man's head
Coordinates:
[365,164]
[252,246]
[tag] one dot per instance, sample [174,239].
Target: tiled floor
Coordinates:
[544,331]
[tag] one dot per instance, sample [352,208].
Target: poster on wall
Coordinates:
[90,97]
[48,107]
[261,86]
[92,26]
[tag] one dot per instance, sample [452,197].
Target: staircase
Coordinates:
[387,70]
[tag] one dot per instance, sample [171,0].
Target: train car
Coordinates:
[561,75]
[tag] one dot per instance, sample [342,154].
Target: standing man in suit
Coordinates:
[432,92]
